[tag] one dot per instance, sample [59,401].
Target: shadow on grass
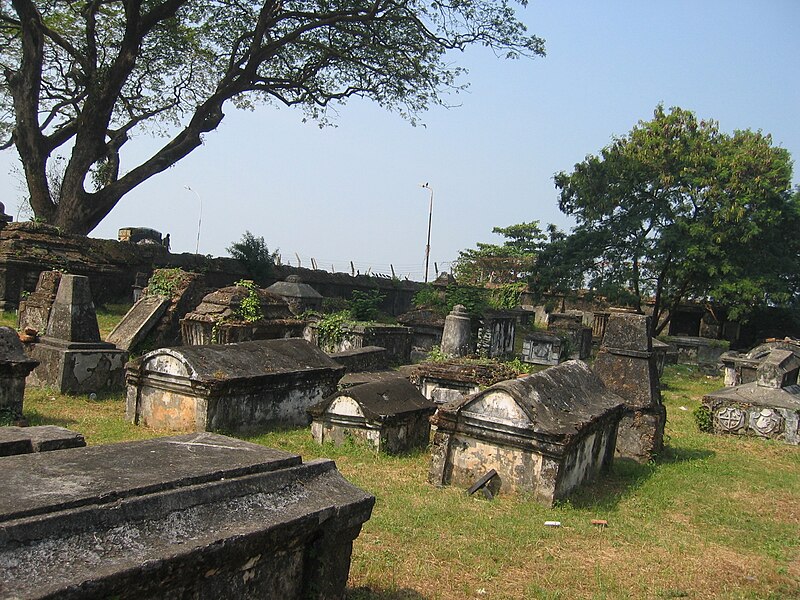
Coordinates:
[33,418]
[366,593]
[627,475]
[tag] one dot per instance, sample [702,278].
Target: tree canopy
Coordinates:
[80,77]
[678,210]
[510,262]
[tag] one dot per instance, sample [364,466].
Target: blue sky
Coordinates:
[351,192]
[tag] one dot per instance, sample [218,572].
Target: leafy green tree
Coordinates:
[81,77]
[253,253]
[510,262]
[678,210]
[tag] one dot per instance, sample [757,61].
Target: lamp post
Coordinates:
[430,218]
[199,219]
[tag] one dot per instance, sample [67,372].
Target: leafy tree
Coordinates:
[677,210]
[81,77]
[253,253]
[510,262]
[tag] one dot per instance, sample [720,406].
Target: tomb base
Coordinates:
[197,516]
[77,367]
[640,435]
[754,410]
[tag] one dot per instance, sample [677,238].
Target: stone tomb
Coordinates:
[767,407]
[34,311]
[496,334]
[138,321]
[576,337]
[545,434]
[542,348]
[229,386]
[197,516]
[72,358]
[449,381]
[219,318]
[300,296]
[391,416]
[628,366]
[743,368]
[457,333]
[15,366]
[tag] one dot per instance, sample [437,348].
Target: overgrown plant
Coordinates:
[249,309]
[165,282]
[507,295]
[703,419]
[364,305]
[331,328]
[253,254]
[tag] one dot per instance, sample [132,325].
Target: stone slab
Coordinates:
[199,516]
[41,438]
[138,322]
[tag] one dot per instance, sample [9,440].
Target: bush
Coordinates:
[364,305]
[254,255]
[702,416]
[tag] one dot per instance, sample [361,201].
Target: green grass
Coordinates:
[713,517]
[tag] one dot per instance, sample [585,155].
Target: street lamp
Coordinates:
[199,219]
[430,218]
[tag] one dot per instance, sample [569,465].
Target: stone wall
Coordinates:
[27,249]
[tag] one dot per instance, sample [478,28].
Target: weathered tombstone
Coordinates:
[41,438]
[72,358]
[544,434]
[34,311]
[542,348]
[229,386]
[138,322]
[15,366]
[457,334]
[300,296]
[627,365]
[444,382]
[220,318]
[496,336]
[767,407]
[742,368]
[390,416]
[395,339]
[575,336]
[198,516]
[426,330]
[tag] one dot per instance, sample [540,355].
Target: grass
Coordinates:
[713,517]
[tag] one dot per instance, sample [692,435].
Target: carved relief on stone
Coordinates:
[731,418]
[767,422]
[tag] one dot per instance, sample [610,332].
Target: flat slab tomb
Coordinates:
[195,516]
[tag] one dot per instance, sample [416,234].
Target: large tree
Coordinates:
[510,262]
[80,76]
[677,210]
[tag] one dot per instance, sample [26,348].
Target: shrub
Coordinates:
[364,305]
[254,255]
